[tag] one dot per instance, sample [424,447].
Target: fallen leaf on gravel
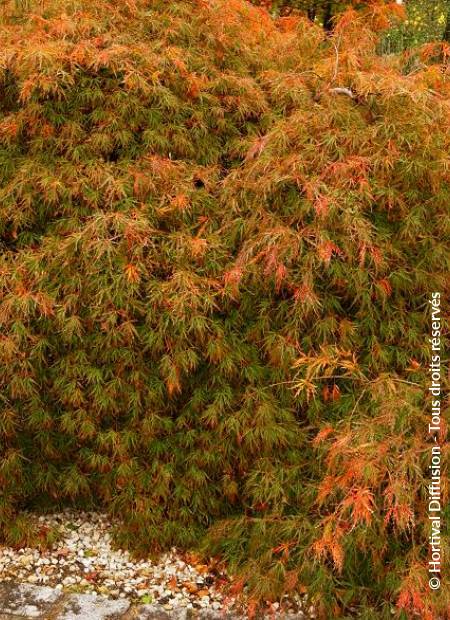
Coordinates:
[192,558]
[142,586]
[202,593]
[173,583]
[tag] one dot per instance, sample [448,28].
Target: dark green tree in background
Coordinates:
[425,20]
[320,11]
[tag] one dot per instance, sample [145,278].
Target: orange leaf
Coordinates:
[326,249]
[386,286]
[132,273]
[335,392]
[326,393]
[321,205]
[322,435]
[173,583]
[202,593]
[180,202]
[362,504]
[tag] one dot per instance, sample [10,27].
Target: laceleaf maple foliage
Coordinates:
[219,232]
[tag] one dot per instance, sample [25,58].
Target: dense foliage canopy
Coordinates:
[214,277]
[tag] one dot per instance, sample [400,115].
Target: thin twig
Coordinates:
[336,65]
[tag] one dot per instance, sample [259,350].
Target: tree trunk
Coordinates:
[446,35]
[312,13]
[328,16]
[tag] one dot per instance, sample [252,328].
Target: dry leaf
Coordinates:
[202,593]
[173,583]
[190,587]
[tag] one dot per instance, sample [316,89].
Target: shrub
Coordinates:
[214,280]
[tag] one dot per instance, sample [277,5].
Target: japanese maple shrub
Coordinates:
[219,235]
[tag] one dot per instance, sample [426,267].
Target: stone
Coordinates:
[32,579]
[27,600]
[156,612]
[83,606]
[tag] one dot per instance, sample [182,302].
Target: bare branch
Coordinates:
[339,90]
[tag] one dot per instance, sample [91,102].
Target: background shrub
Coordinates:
[214,280]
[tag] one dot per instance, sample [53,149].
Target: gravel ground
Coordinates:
[83,561]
